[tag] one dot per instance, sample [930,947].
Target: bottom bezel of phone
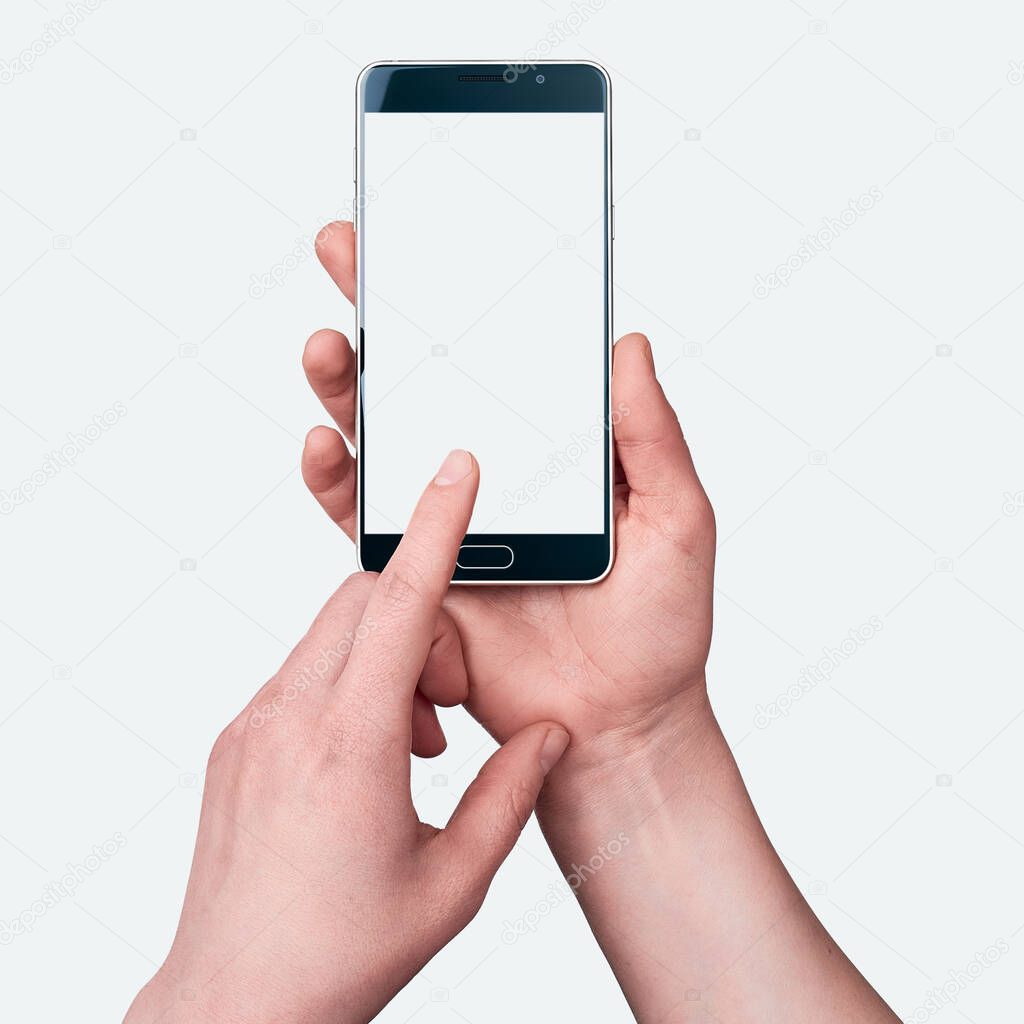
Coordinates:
[548,558]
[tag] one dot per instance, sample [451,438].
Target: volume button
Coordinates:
[613,222]
[353,164]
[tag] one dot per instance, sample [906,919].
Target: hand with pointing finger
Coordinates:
[315,892]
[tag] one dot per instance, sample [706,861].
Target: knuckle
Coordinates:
[512,804]
[334,734]
[339,744]
[519,800]
[403,585]
[343,740]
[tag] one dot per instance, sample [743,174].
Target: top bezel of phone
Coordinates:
[493,86]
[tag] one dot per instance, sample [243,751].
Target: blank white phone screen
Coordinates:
[483,299]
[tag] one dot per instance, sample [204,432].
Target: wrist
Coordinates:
[197,997]
[668,783]
[629,766]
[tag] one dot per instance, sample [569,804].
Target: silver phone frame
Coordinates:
[609,223]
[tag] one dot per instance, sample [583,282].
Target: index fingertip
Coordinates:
[457,465]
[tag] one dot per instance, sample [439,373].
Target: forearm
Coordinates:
[682,888]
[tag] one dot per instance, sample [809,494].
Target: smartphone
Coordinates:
[484,310]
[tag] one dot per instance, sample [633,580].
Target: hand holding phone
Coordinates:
[608,660]
[648,798]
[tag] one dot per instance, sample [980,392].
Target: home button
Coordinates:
[484,556]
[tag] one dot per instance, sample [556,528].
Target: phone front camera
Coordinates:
[540,79]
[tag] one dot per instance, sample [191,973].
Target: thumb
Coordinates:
[493,811]
[648,439]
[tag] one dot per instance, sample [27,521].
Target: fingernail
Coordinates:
[645,352]
[455,467]
[314,457]
[554,747]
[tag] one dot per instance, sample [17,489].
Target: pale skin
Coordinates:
[699,918]
[695,912]
[315,892]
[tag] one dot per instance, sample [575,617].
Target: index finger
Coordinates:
[400,617]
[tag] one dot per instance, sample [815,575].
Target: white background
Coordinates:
[858,431]
[484,312]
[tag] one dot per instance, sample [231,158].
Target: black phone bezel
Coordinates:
[500,87]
